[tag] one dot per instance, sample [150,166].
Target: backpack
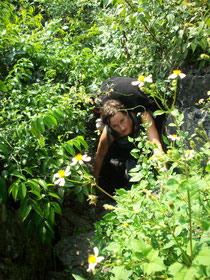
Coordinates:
[131,96]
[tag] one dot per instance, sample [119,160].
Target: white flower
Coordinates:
[80,158]
[142,80]
[99,124]
[61,176]
[93,260]
[189,154]
[177,73]
[174,137]
[200,101]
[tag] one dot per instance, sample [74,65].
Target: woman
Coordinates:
[113,144]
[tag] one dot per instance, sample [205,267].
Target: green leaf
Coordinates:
[34,128]
[54,195]
[18,174]
[158,113]
[56,207]
[40,124]
[69,149]
[153,266]
[203,256]
[38,209]
[26,212]
[50,121]
[76,143]
[22,190]
[77,277]
[77,189]
[4,149]
[42,183]
[82,141]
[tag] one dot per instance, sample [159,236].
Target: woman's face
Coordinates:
[121,123]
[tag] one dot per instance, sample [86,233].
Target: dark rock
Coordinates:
[191,89]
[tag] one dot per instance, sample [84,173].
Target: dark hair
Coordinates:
[110,108]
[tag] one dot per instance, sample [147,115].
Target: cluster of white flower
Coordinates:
[59,177]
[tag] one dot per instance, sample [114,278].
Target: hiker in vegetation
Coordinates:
[113,159]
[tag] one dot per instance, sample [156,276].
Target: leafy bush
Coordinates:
[160,227]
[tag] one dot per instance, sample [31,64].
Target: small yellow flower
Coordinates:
[141,80]
[92,199]
[189,154]
[93,260]
[108,207]
[200,101]
[124,225]
[80,158]
[177,73]
[174,137]
[61,176]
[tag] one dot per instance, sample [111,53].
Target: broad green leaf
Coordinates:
[50,121]
[34,128]
[203,256]
[77,277]
[82,141]
[18,174]
[153,266]
[77,189]
[25,212]
[56,207]
[22,190]
[38,209]
[54,195]
[42,183]
[4,149]
[76,143]
[69,149]
[158,113]
[40,124]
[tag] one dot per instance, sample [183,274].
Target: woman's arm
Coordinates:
[102,150]
[153,134]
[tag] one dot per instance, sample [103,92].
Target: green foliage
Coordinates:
[160,227]
[52,55]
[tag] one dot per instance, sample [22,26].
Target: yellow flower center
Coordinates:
[141,78]
[92,259]
[188,152]
[61,173]
[174,136]
[177,72]
[78,157]
[169,152]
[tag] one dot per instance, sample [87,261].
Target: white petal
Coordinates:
[96,251]
[74,161]
[91,267]
[67,169]
[81,162]
[135,83]
[86,158]
[148,79]
[99,259]
[62,182]
[56,176]
[57,182]
[141,84]
[182,75]
[172,76]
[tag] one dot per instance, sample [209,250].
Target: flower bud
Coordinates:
[192,144]
[205,56]
[171,204]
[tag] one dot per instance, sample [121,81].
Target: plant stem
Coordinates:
[190,222]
